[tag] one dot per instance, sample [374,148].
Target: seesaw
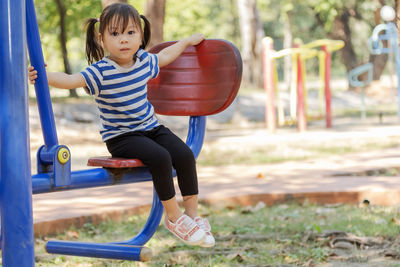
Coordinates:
[203,81]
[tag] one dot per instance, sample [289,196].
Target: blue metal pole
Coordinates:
[394,39]
[196,132]
[83,249]
[41,85]
[127,250]
[151,225]
[15,178]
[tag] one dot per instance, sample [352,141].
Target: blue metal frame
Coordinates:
[126,250]
[15,178]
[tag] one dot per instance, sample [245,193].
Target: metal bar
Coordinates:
[15,179]
[196,132]
[43,182]
[301,112]
[151,225]
[328,98]
[41,84]
[269,86]
[108,251]
[117,250]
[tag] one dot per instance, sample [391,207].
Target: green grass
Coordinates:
[266,236]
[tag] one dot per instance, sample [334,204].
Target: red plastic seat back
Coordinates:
[203,80]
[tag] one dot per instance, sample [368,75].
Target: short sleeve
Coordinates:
[93,78]
[151,59]
[154,67]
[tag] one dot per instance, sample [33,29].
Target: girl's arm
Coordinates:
[59,79]
[170,53]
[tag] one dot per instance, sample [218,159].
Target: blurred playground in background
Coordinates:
[320,49]
[383,40]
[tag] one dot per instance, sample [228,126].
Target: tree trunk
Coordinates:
[63,42]
[252,34]
[397,10]
[378,61]
[379,64]
[155,13]
[341,31]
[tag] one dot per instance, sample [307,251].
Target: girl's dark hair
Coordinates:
[113,15]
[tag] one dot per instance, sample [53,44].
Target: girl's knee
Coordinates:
[185,156]
[161,158]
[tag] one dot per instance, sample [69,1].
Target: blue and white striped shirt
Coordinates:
[121,94]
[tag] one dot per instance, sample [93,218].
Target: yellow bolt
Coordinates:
[63,155]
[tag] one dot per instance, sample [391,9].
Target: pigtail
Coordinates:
[146,32]
[94,51]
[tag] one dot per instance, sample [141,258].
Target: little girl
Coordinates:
[130,129]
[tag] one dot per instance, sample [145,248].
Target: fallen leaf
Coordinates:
[249,209]
[72,234]
[238,256]
[396,221]
[309,263]
[260,175]
[343,245]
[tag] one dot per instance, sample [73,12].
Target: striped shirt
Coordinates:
[121,94]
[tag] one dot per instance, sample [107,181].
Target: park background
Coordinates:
[243,22]
[237,142]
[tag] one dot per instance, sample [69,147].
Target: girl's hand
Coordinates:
[32,74]
[195,39]
[170,53]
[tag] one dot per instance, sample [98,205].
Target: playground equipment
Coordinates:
[385,32]
[204,80]
[354,80]
[298,93]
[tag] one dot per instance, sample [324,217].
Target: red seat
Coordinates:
[109,162]
[203,80]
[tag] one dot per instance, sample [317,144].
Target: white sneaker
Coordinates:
[203,223]
[186,230]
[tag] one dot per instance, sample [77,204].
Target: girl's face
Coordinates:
[122,45]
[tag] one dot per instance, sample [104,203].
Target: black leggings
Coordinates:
[160,150]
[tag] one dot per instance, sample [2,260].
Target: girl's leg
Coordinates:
[185,165]
[190,204]
[172,209]
[159,149]
[157,159]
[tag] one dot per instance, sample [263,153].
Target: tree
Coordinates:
[63,42]
[155,13]
[340,18]
[61,21]
[378,61]
[252,34]
[397,10]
